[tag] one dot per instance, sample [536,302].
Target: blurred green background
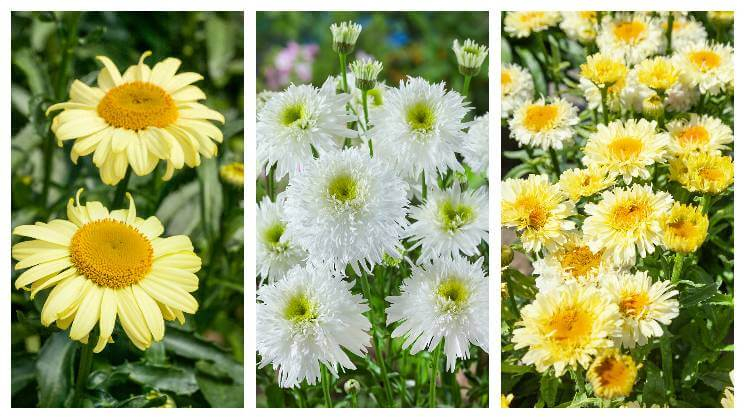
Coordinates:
[199,364]
[297,47]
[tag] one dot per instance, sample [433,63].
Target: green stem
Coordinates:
[343,72]
[605,114]
[325,387]
[705,204]
[665,346]
[511,298]
[465,87]
[555,163]
[578,375]
[679,259]
[424,188]
[271,182]
[377,344]
[354,400]
[119,193]
[364,99]
[436,361]
[670,25]
[84,369]
[300,397]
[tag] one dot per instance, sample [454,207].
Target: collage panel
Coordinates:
[617,209]
[372,209]
[126,209]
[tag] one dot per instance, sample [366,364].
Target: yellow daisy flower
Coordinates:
[685,228]
[544,123]
[626,219]
[523,24]
[573,262]
[658,73]
[635,36]
[612,375]
[103,265]
[707,65]
[585,182]
[565,327]
[703,172]
[626,148]
[644,305]
[604,70]
[138,118]
[506,400]
[538,209]
[233,173]
[699,133]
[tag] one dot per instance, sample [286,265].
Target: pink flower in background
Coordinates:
[291,64]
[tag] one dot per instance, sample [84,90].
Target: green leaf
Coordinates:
[144,401]
[36,77]
[534,68]
[220,393]
[163,378]
[22,373]
[506,55]
[549,384]
[212,197]
[191,347]
[54,370]
[654,391]
[695,293]
[220,42]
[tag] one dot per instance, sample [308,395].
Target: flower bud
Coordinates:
[365,71]
[470,56]
[352,386]
[653,107]
[344,36]
[507,255]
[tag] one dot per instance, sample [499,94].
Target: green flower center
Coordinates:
[376,97]
[272,237]
[453,216]
[343,188]
[294,114]
[472,50]
[454,293]
[300,309]
[421,117]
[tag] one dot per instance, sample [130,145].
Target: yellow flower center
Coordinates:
[625,148]
[579,260]
[682,228]
[634,305]
[629,32]
[591,16]
[454,293]
[705,60]
[711,174]
[695,136]
[626,216]
[530,16]
[138,105]
[570,326]
[111,253]
[612,373]
[540,117]
[534,214]
[300,309]
[505,78]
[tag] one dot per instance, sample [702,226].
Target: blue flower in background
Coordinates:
[399,39]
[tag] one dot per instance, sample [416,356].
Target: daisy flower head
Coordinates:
[699,134]
[660,80]
[138,118]
[523,24]
[233,174]
[366,71]
[444,299]
[577,183]
[626,148]
[103,265]
[517,87]
[450,222]
[470,56]
[476,147]
[626,220]
[612,374]
[276,253]
[685,228]
[604,70]
[703,172]
[544,123]
[538,210]
[297,119]
[565,327]
[573,262]
[419,128]
[346,208]
[593,94]
[580,26]
[307,318]
[685,30]
[344,36]
[634,35]
[644,305]
[708,66]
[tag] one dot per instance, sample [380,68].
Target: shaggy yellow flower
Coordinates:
[573,262]
[685,228]
[626,219]
[506,400]
[233,173]
[537,209]
[565,327]
[644,305]
[635,36]
[517,87]
[658,73]
[138,118]
[703,172]
[523,24]
[544,124]
[581,26]
[707,65]
[699,133]
[604,70]
[103,265]
[612,375]
[626,148]
[585,182]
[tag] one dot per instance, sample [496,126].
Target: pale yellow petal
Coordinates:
[188,93]
[109,76]
[121,138]
[26,249]
[169,294]
[174,277]
[132,319]
[183,260]
[60,298]
[86,145]
[82,93]
[107,319]
[42,284]
[150,227]
[44,232]
[79,127]
[88,313]
[199,111]
[181,80]
[164,71]
[170,245]
[150,311]
[102,152]
[41,257]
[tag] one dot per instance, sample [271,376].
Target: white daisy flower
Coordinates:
[275,253]
[346,208]
[522,24]
[634,35]
[707,65]
[306,318]
[297,119]
[419,128]
[580,26]
[644,305]
[445,299]
[544,123]
[476,147]
[450,222]
[517,87]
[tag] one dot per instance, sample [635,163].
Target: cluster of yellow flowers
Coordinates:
[587,228]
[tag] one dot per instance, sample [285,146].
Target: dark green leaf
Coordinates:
[54,370]
[163,378]
[22,373]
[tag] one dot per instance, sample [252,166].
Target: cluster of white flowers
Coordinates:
[358,175]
